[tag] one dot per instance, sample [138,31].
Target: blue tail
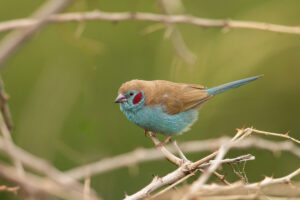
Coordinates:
[222,88]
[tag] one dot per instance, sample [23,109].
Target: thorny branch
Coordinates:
[187,168]
[151,17]
[280,187]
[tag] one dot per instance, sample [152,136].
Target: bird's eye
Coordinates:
[131,93]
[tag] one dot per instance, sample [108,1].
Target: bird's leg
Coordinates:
[163,143]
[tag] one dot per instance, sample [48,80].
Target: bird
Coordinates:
[167,107]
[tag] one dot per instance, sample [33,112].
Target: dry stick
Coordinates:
[45,185]
[14,40]
[147,155]
[151,17]
[87,188]
[220,154]
[171,157]
[213,167]
[172,186]
[4,106]
[9,146]
[4,188]
[253,187]
[276,134]
[40,165]
[229,160]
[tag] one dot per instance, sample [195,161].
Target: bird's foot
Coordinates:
[163,143]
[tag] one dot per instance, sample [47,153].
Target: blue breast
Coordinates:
[156,120]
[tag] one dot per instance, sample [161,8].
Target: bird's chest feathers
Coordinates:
[153,118]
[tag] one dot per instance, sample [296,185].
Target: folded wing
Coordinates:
[176,97]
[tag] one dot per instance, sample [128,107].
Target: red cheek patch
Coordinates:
[138,97]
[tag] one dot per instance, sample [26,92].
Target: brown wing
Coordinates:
[177,97]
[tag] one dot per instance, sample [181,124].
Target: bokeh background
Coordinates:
[62,84]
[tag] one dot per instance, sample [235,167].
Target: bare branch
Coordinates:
[230,160]
[38,164]
[213,167]
[9,146]
[4,106]
[253,187]
[286,136]
[151,17]
[35,183]
[87,188]
[171,157]
[4,188]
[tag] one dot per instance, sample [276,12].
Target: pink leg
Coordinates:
[163,143]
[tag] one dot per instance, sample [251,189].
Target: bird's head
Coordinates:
[131,96]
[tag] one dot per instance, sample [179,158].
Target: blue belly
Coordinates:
[156,120]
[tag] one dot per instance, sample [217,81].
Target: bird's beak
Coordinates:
[120,99]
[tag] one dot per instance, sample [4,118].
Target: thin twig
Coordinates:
[87,188]
[151,17]
[4,188]
[171,157]
[286,136]
[213,167]
[38,164]
[229,160]
[9,146]
[172,186]
[253,187]
[4,106]
[33,182]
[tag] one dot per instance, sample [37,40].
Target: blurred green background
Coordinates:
[63,83]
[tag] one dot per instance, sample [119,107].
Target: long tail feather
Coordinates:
[222,88]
